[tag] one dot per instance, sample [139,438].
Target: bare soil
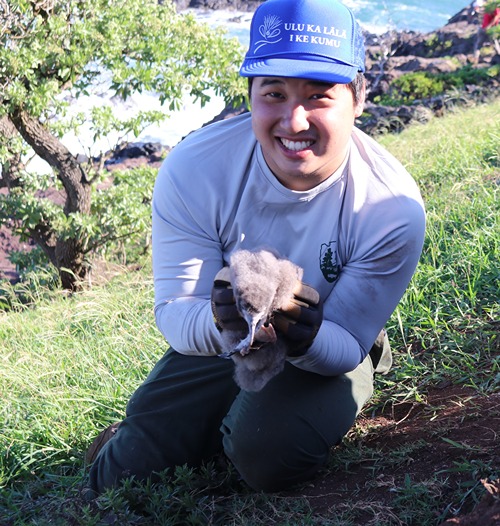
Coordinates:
[8,244]
[452,427]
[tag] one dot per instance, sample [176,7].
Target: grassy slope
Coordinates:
[69,364]
[452,307]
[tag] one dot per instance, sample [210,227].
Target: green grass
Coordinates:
[69,365]
[451,311]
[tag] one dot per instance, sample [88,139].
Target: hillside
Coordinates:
[424,451]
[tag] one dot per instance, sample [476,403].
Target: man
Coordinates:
[296,176]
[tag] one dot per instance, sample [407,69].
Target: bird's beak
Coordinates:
[254,326]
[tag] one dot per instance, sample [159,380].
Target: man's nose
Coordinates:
[295,118]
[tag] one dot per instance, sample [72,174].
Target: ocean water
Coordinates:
[375,16]
[416,15]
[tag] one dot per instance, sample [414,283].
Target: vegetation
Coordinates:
[117,228]
[52,50]
[421,85]
[69,364]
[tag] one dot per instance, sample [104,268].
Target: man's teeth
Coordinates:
[296,146]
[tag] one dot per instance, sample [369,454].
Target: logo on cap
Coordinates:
[269,31]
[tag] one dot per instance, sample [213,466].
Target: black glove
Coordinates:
[226,314]
[300,320]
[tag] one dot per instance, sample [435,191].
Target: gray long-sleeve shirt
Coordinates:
[358,236]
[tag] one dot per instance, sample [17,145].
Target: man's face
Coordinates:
[303,127]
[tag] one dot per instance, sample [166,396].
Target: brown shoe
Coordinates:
[102,438]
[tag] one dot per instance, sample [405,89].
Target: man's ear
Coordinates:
[360,105]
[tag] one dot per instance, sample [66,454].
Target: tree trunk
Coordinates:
[67,255]
[50,149]
[11,170]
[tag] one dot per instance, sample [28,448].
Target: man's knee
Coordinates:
[275,463]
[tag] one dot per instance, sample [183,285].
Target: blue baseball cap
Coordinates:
[311,39]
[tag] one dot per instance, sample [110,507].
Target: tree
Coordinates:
[54,47]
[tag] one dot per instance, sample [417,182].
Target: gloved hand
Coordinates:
[300,320]
[224,309]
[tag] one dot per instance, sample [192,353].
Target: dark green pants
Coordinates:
[190,409]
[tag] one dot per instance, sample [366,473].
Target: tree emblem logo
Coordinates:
[328,261]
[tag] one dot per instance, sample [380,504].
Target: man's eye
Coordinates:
[318,96]
[274,94]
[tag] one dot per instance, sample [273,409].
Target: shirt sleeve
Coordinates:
[186,256]
[364,297]
[381,239]
[193,198]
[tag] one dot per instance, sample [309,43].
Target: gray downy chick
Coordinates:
[262,282]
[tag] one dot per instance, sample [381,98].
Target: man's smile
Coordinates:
[296,146]
[303,127]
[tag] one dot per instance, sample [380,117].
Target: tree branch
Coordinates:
[50,149]
[11,169]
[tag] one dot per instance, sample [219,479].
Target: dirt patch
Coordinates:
[440,439]
[8,244]
[487,512]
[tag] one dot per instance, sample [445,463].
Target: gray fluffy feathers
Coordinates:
[262,282]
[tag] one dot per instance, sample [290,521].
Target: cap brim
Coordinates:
[322,71]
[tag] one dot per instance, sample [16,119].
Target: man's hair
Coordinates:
[356,86]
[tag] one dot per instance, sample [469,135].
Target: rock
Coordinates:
[137,149]
[132,155]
